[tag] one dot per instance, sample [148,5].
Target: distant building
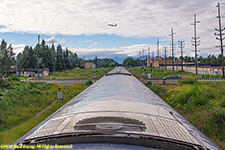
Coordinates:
[33,72]
[89,65]
[158,62]
[154,61]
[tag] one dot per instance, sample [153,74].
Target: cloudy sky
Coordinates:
[82,26]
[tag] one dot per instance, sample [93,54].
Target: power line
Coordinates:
[220,38]
[196,42]
[181,46]
[172,44]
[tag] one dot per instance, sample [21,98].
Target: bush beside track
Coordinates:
[202,103]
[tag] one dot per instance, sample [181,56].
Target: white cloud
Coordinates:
[93,45]
[135,18]
[109,52]
[17,48]
[53,40]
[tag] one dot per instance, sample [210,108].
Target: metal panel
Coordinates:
[47,128]
[174,130]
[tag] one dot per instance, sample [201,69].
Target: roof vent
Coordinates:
[110,124]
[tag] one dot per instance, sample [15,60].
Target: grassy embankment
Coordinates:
[201,103]
[20,102]
[79,74]
[160,73]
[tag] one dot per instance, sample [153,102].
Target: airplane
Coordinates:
[112,25]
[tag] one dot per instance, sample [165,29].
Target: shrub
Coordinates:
[218,121]
[219,116]
[14,77]
[192,97]
[222,102]
[180,71]
[159,90]
[5,84]
[1,94]
[1,82]
[188,81]
[88,82]
[149,84]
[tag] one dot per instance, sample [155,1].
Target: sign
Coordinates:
[149,75]
[59,95]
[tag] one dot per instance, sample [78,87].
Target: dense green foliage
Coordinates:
[203,104]
[21,101]
[6,60]
[211,59]
[188,81]
[80,74]
[49,57]
[130,62]
[103,62]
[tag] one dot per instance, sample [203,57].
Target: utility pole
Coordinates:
[143,59]
[158,53]
[38,57]
[165,52]
[172,44]
[153,59]
[140,58]
[181,46]
[196,42]
[220,38]
[148,55]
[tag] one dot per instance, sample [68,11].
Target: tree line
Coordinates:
[55,59]
[210,60]
[44,56]
[103,62]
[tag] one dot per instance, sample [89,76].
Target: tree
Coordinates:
[6,59]
[59,58]
[54,60]
[66,59]
[130,62]
[27,59]
[73,59]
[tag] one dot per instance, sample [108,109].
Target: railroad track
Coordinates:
[154,80]
[60,81]
[158,80]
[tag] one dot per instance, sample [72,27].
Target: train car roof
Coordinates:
[121,106]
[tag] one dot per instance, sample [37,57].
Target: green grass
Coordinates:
[161,73]
[23,78]
[202,103]
[79,73]
[21,101]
